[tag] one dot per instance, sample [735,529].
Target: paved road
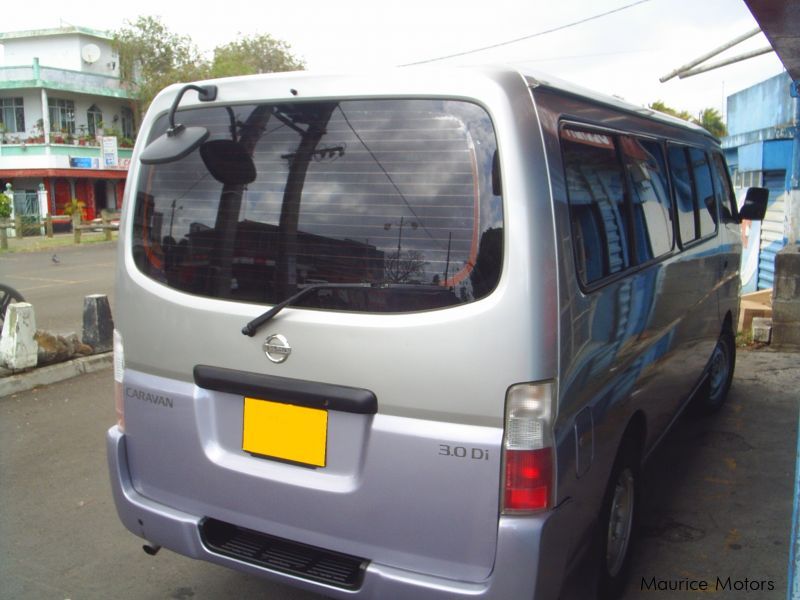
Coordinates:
[57,289]
[717,500]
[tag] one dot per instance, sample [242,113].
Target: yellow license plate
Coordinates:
[285,431]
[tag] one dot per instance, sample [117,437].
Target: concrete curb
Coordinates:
[22,382]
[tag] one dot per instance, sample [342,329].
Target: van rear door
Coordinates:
[336,424]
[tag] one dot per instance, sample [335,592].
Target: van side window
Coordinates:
[596,193]
[652,209]
[694,193]
[684,194]
[722,186]
[704,190]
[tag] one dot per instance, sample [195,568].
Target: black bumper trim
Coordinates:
[277,554]
[312,394]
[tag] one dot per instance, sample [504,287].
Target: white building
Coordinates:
[60,98]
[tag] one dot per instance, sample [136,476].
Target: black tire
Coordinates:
[719,375]
[7,296]
[618,523]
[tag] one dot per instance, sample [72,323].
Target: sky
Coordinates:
[621,54]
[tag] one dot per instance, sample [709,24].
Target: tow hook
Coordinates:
[151,550]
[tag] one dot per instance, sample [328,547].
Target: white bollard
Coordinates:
[18,349]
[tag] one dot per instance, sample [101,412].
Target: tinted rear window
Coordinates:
[400,194]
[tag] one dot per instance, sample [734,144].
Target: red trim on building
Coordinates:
[68,173]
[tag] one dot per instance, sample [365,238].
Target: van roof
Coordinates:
[535,79]
[539,79]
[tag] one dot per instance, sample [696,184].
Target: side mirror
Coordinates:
[755,204]
[179,140]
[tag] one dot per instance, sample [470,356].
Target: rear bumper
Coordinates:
[521,571]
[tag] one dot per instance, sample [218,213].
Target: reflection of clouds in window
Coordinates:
[425,164]
[430,182]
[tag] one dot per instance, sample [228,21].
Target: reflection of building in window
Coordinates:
[650,197]
[596,198]
[393,192]
[319,259]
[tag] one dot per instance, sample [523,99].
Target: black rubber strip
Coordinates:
[312,394]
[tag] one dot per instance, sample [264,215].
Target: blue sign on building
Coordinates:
[80,162]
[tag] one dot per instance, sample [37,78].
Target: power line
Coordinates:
[578,56]
[389,177]
[528,37]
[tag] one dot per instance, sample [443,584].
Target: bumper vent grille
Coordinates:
[277,554]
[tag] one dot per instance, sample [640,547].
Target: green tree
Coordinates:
[152,57]
[259,53]
[5,206]
[661,107]
[710,119]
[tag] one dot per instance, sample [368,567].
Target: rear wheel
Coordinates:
[618,523]
[712,395]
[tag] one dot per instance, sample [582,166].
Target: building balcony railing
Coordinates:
[59,139]
[16,74]
[36,76]
[71,150]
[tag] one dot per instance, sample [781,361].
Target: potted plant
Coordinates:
[75,206]
[36,136]
[37,133]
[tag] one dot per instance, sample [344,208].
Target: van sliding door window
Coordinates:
[596,193]
[652,207]
[694,193]
[684,193]
[400,197]
[722,186]
[706,201]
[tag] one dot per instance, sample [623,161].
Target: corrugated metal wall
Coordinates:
[771,228]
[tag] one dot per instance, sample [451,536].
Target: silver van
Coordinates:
[412,334]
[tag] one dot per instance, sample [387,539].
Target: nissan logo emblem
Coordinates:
[277,348]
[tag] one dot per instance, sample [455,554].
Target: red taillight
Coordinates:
[528,477]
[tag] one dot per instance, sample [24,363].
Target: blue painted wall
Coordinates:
[760,139]
[751,157]
[777,155]
[766,104]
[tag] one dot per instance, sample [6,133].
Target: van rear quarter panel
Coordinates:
[440,377]
[638,343]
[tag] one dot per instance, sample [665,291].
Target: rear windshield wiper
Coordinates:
[252,327]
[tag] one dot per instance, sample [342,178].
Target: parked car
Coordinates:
[413,334]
